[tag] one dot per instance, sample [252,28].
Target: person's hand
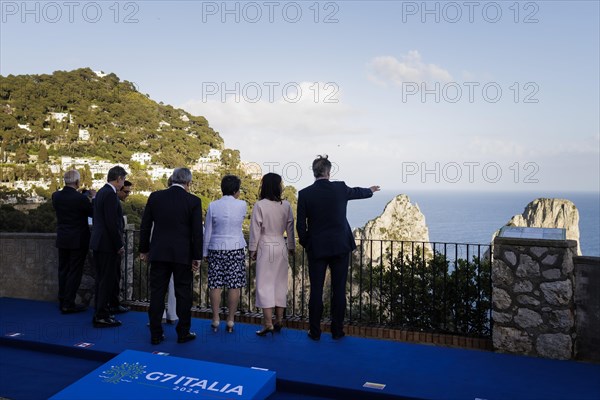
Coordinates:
[375,189]
[196,265]
[144,256]
[253,255]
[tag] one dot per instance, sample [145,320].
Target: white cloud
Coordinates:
[410,68]
[277,133]
[499,148]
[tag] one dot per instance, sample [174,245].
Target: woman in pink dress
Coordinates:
[271,218]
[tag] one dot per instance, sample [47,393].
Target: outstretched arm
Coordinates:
[360,193]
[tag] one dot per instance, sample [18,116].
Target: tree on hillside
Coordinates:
[12,220]
[42,155]
[21,156]
[86,176]
[230,159]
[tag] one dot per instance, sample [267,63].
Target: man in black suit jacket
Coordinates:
[173,218]
[107,243]
[72,239]
[324,232]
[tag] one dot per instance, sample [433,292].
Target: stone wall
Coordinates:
[533,297]
[587,303]
[29,268]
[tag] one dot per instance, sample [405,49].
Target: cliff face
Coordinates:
[550,213]
[400,221]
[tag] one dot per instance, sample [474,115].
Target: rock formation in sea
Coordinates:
[401,220]
[550,213]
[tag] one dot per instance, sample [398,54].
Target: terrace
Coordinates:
[402,297]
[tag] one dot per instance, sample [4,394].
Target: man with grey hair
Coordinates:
[72,239]
[171,239]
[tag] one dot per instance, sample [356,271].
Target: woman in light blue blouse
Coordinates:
[224,248]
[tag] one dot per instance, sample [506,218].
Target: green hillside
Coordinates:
[40,120]
[120,120]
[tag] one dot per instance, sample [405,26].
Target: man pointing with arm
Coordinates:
[324,232]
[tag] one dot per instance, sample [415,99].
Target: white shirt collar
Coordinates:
[113,188]
[177,184]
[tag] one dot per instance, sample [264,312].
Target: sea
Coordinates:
[473,217]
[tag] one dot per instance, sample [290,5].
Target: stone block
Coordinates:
[511,340]
[511,258]
[538,251]
[528,267]
[501,299]
[502,275]
[501,318]
[552,274]
[527,300]
[523,287]
[557,345]
[527,318]
[562,320]
[550,260]
[558,293]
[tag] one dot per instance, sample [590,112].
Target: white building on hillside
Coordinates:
[142,158]
[157,172]
[84,134]
[209,163]
[58,116]
[214,154]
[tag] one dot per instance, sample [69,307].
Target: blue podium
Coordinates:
[138,375]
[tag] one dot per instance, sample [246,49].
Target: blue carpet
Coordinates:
[327,368]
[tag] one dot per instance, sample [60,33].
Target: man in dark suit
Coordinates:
[107,244]
[324,232]
[171,239]
[72,239]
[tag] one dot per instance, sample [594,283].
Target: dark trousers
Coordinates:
[70,270]
[339,273]
[160,274]
[107,265]
[114,300]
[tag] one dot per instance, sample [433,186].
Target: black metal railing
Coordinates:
[421,286]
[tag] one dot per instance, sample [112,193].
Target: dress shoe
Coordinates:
[277,327]
[214,325]
[230,325]
[265,331]
[337,336]
[74,309]
[186,338]
[157,339]
[313,336]
[119,310]
[106,323]
[170,321]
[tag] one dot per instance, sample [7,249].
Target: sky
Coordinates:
[439,95]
